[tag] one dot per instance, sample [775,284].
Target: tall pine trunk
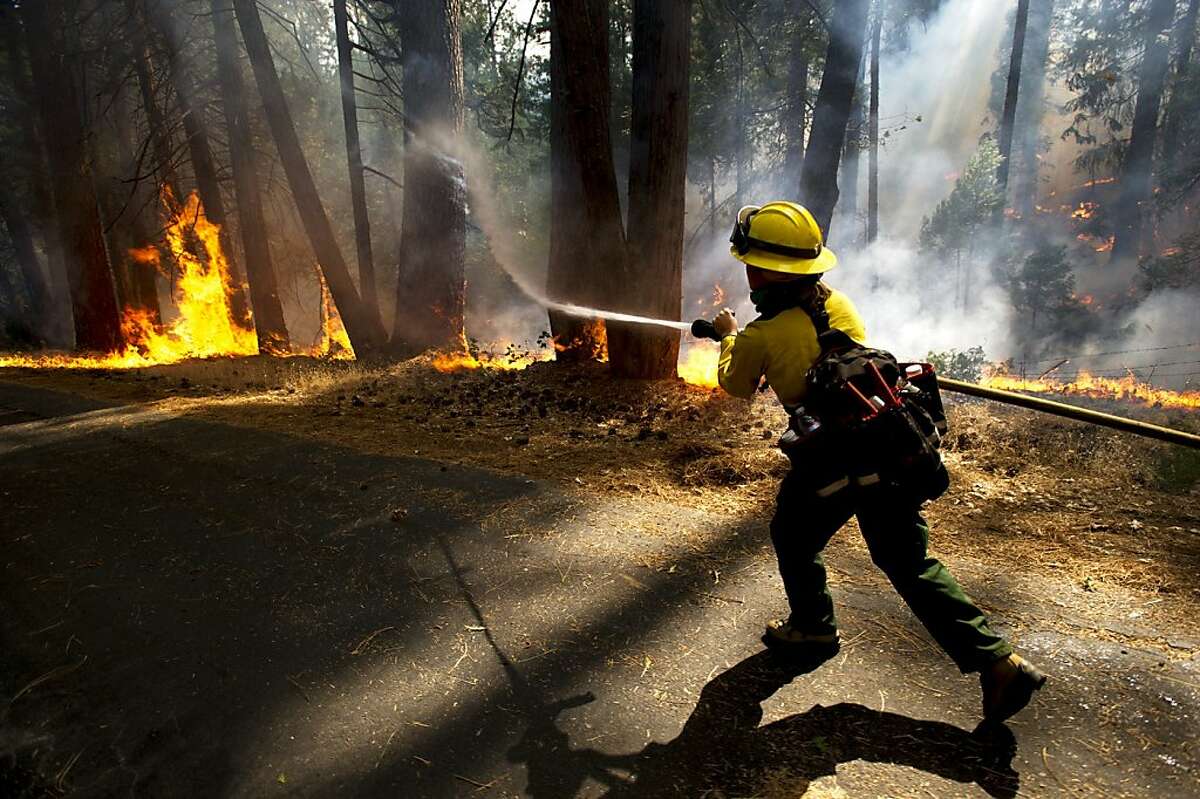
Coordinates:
[873,130]
[795,119]
[26,255]
[1031,104]
[354,162]
[269,323]
[601,258]
[89,276]
[430,294]
[570,277]
[818,180]
[1138,166]
[363,327]
[852,161]
[657,181]
[1011,92]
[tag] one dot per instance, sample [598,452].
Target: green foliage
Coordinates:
[1043,286]
[1175,268]
[954,226]
[967,365]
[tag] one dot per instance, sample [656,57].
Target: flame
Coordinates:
[1171,252]
[698,364]
[718,299]
[595,334]
[1084,211]
[1087,385]
[512,358]
[1098,182]
[1097,244]
[334,342]
[205,325]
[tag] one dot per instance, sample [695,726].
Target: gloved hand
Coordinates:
[725,323]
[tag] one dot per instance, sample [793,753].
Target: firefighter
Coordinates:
[783,250]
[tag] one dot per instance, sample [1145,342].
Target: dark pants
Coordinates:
[897,537]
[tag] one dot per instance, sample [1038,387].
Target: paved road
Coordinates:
[197,610]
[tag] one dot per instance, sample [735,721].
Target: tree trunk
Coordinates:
[601,254]
[1010,101]
[852,160]
[160,136]
[657,183]
[358,189]
[136,278]
[26,255]
[432,286]
[1031,103]
[269,323]
[818,180]
[569,278]
[45,223]
[89,277]
[796,109]
[363,327]
[741,146]
[1185,38]
[204,165]
[1136,171]
[873,130]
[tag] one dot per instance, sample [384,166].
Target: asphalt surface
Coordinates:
[192,609]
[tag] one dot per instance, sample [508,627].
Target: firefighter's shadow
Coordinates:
[722,750]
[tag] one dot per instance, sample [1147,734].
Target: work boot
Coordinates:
[1008,685]
[782,635]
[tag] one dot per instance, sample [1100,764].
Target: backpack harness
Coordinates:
[869,421]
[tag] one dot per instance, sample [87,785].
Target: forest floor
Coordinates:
[536,582]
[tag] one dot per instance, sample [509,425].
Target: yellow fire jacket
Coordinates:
[782,349]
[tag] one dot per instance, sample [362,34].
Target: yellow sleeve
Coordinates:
[742,362]
[844,316]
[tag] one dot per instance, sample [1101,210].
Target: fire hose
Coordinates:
[702,328]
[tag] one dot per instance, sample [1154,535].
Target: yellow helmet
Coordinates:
[782,237]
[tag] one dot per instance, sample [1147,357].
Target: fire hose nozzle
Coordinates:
[702,328]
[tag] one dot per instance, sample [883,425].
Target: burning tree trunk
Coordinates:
[358,189]
[601,259]
[264,294]
[818,181]
[873,130]
[363,327]
[1010,99]
[93,302]
[570,277]
[795,118]
[136,277]
[657,181]
[204,165]
[1030,107]
[1137,168]
[430,291]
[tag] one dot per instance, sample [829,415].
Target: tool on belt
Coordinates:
[868,420]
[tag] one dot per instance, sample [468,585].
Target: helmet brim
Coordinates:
[792,266]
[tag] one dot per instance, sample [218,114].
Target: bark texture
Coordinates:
[795,120]
[89,277]
[818,181]
[571,276]
[358,189]
[657,182]
[601,260]
[364,329]
[269,323]
[1138,166]
[1031,106]
[1011,91]
[432,284]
